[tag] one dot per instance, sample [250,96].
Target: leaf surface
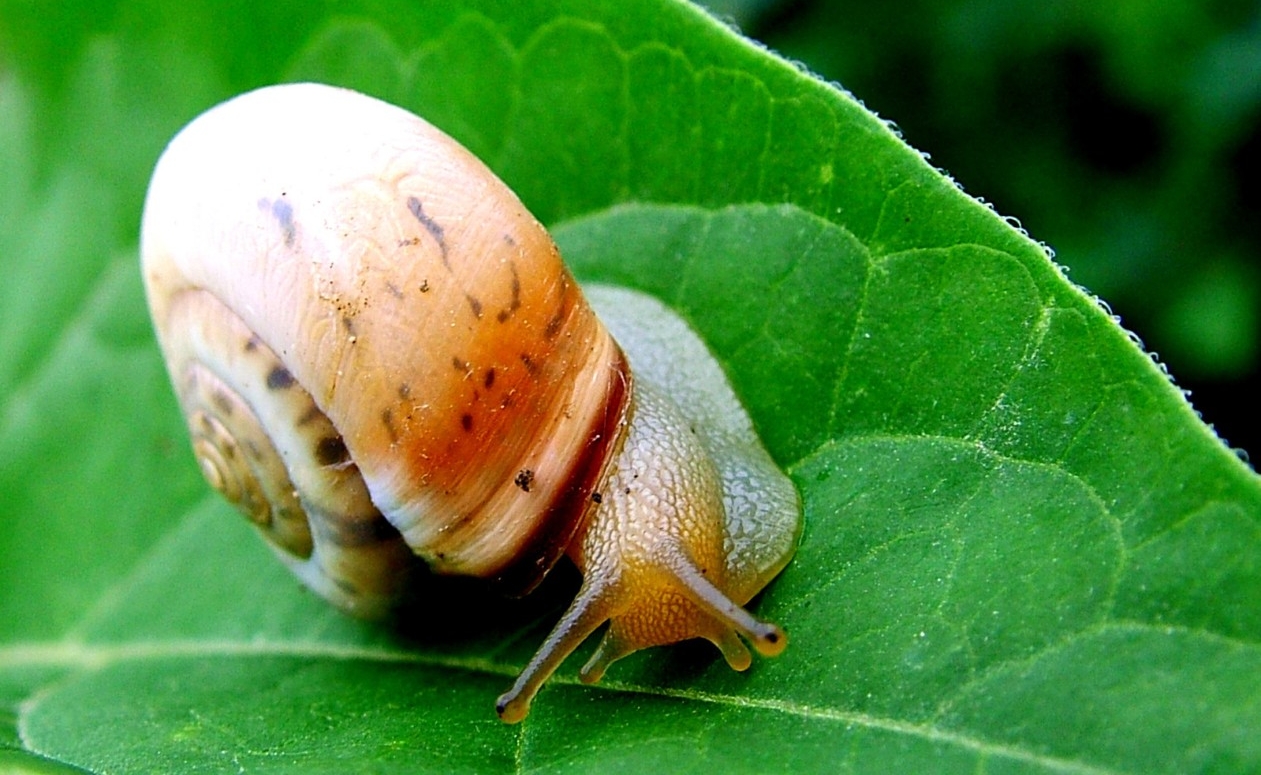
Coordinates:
[1023,551]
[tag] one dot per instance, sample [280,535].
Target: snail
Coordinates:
[382,359]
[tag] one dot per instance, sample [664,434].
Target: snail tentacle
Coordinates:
[585,614]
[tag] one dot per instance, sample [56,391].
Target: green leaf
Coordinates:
[1023,552]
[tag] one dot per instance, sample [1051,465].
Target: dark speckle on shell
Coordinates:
[279,378]
[417,209]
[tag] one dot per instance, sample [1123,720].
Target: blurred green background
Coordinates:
[1124,134]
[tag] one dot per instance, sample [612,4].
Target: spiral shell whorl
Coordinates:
[263,443]
[238,460]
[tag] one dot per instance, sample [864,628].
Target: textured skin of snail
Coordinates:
[383,361]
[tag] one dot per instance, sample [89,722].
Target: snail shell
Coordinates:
[382,358]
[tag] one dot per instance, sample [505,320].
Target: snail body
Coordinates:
[382,360]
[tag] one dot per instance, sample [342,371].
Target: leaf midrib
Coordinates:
[94,657]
